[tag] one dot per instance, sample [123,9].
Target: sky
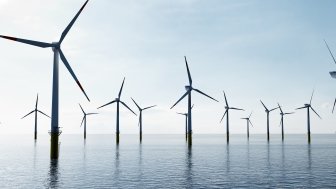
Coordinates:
[251,49]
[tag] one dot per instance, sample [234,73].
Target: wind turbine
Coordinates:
[84,119]
[333,73]
[248,121]
[56,47]
[186,122]
[227,108]
[35,111]
[282,120]
[140,116]
[189,88]
[268,112]
[117,100]
[308,106]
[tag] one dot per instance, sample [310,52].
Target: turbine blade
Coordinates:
[330,51]
[180,113]
[280,107]
[43,113]
[28,114]
[223,116]
[81,108]
[121,88]
[288,113]
[92,113]
[274,109]
[136,104]
[107,104]
[250,123]
[333,106]
[311,98]
[82,122]
[263,105]
[226,102]
[149,107]
[127,107]
[236,108]
[315,112]
[192,106]
[185,94]
[29,42]
[189,76]
[36,101]
[66,30]
[250,115]
[67,65]
[204,94]
[301,108]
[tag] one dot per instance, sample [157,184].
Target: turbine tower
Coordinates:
[140,116]
[35,111]
[248,121]
[117,100]
[282,121]
[268,112]
[227,108]
[309,106]
[84,119]
[56,47]
[186,122]
[189,88]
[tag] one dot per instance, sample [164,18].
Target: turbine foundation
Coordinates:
[117,138]
[54,146]
[189,139]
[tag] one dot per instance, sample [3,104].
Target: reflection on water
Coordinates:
[35,151]
[189,167]
[53,181]
[117,170]
[309,161]
[209,163]
[228,159]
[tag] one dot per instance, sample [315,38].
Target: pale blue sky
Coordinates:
[269,50]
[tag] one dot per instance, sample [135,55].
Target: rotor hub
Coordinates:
[56,45]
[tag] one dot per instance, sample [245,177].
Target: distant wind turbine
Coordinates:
[189,88]
[282,120]
[117,100]
[248,121]
[35,111]
[140,116]
[309,106]
[227,108]
[268,112]
[84,119]
[56,47]
[186,122]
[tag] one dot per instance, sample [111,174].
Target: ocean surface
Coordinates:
[165,161]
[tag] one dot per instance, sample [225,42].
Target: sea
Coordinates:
[166,161]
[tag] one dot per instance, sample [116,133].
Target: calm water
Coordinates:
[164,161]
